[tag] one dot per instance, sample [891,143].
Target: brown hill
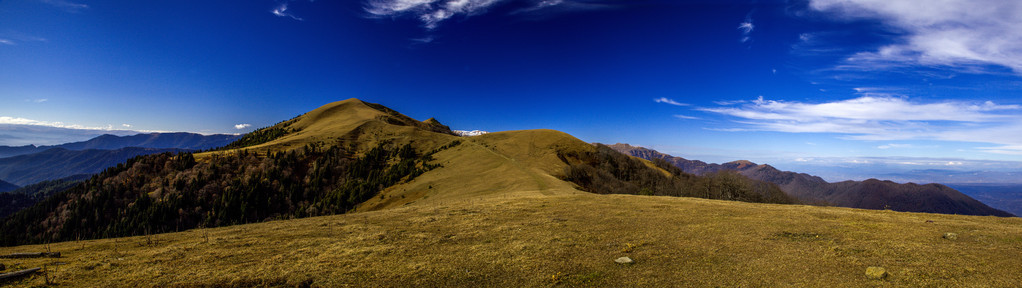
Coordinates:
[345,157]
[869,194]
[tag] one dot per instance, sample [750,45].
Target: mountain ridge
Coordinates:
[176,140]
[350,156]
[868,194]
[56,163]
[7,186]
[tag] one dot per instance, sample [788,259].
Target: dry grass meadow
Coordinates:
[571,240]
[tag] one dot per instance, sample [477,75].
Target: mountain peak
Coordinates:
[742,164]
[341,121]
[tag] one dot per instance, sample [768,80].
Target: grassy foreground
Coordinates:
[563,240]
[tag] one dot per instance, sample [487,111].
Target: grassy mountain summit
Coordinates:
[422,207]
[342,157]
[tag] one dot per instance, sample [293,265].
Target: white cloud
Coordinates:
[746,28]
[953,33]
[433,12]
[242,126]
[430,12]
[6,42]
[666,100]
[875,118]
[126,125]
[685,117]
[25,121]
[281,11]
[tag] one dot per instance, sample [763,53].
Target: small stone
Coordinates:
[950,236]
[876,273]
[624,260]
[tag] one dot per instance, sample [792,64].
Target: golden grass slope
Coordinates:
[490,165]
[566,240]
[487,165]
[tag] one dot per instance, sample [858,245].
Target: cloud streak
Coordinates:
[434,12]
[430,12]
[965,34]
[666,100]
[25,121]
[882,118]
[281,11]
[746,28]
[242,126]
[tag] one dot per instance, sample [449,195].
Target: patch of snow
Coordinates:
[464,133]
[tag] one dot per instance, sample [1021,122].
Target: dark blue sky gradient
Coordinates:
[205,66]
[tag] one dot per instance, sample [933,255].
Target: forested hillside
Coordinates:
[171,192]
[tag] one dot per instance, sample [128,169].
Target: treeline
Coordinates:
[263,135]
[172,192]
[24,197]
[607,171]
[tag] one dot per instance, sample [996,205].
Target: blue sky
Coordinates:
[792,83]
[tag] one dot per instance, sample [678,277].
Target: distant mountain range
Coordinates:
[868,194]
[58,163]
[24,165]
[7,186]
[180,140]
[1005,196]
[21,135]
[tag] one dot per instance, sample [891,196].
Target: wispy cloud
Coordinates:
[686,117]
[433,12]
[281,11]
[666,100]
[242,126]
[68,6]
[951,33]
[12,38]
[877,118]
[430,12]
[728,103]
[25,121]
[894,145]
[746,28]
[40,100]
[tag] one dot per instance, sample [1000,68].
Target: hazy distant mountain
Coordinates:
[24,197]
[57,163]
[7,186]
[869,194]
[1007,197]
[178,140]
[21,135]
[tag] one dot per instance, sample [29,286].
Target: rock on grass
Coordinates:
[877,273]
